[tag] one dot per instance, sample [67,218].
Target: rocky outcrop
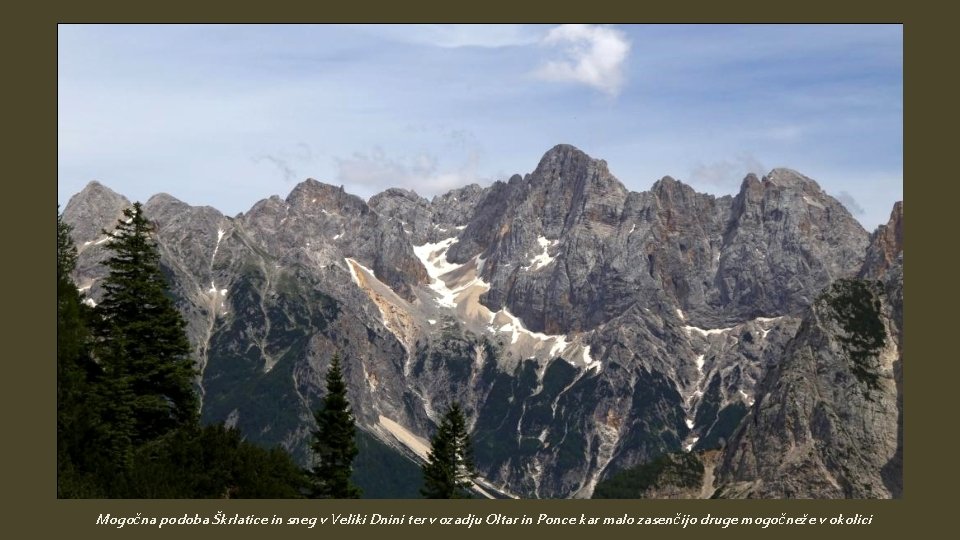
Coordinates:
[828,420]
[91,211]
[886,246]
[429,221]
[785,241]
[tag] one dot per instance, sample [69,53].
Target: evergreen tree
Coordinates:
[212,462]
[71,333]
[126,420]
[449,473]
[71,347]
[141,340]
[334,443]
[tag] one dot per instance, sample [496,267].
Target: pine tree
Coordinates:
[334,443]
[141,339]
[450,472]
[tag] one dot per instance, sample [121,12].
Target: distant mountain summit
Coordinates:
[583,327]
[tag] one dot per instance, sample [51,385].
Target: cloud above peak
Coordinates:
[590,54]
[371,172]
[452,36]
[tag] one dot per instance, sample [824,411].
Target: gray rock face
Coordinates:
[886,246]
[786,240]
[584,328]
[94,209]
[767,252]
[428,221]
[828,421]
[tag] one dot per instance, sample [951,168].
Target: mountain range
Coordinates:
[585,329]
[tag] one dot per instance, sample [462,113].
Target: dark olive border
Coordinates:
[29,367]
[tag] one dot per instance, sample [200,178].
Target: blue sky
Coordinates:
[228,115]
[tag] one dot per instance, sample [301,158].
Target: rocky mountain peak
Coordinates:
[163,199]
[672,191]
[562,152]
[312,195]
[565,163]
[95,187]
[93,209]
[400,193]
[886,245]
[783,177]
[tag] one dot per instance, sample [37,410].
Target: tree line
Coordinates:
[128,422]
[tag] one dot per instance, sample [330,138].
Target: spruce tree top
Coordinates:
[334,443]
[145,334]
[450,471]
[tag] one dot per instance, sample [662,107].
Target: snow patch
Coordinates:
[89,302]
[689,446]
[766,320]
[709,332]
[434,259]
[337,237]
[102,240]
[515,327]
[588,360]
[633,228]
[216,248]
[680,314]
[543,258]
[689,423]
[432,321]
[457,286]
[559,346]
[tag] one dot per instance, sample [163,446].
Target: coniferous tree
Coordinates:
[69,327]
[71,334]
[334,443]
[126,408]
[450,472]
[72,364]
[141,340]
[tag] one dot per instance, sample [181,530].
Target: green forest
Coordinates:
[128,422]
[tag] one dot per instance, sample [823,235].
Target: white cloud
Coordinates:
[592,55]
[726,175]
[461,35]
[285,160]
[850,203]
[375,171]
